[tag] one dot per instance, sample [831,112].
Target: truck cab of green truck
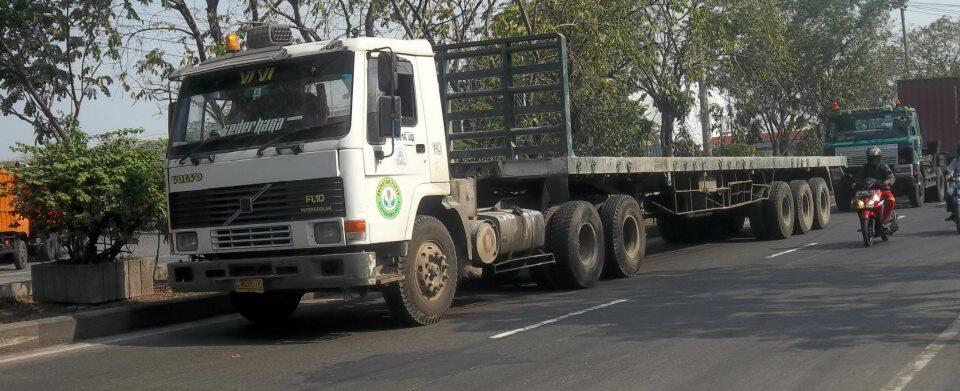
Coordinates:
[896,131]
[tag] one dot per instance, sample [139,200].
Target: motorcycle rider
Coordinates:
[948,191]
[874,169]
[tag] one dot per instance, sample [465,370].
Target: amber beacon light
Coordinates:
[232,43]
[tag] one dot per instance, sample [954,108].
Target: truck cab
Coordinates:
[896,131]
[301,167]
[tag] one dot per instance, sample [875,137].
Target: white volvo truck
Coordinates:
[389,165]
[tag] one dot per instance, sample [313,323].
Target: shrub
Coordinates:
[98,193]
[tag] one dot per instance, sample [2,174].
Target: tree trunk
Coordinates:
[705,116]
[370,20]
[666,133]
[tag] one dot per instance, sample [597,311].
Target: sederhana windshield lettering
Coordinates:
[242,109]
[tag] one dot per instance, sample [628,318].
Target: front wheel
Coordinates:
[916,196]
[866,228]
[429,275]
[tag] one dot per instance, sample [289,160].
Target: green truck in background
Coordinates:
[896,131]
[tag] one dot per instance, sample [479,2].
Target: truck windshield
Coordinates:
[868,126]
[303,100]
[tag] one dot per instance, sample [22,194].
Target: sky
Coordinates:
[120,111]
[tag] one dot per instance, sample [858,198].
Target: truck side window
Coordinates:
[405,87]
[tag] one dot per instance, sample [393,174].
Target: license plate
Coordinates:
[864,193]
[249,285]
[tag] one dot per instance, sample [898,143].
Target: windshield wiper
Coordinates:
[196,148]
[295,148]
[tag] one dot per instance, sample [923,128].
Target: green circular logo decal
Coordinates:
[388,198]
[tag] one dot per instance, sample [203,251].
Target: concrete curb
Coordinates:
[58,330]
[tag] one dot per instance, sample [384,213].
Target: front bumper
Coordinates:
[306,272]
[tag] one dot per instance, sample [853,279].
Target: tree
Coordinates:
[52,58]
[785,62]
[97,192]
[935,49]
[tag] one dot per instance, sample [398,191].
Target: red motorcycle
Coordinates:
[870,204]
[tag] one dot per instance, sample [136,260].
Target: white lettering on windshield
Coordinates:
[258,126]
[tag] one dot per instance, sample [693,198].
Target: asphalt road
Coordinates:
[815,312]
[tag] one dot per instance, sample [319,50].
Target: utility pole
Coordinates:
[705,115]
[903,25]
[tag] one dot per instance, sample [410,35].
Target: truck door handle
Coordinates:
[421,148]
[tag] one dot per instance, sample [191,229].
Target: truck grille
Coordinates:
[268,236]
[257,204]
[857,156]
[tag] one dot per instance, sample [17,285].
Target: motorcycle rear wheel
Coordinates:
[866,228]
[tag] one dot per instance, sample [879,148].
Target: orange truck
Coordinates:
[14,230]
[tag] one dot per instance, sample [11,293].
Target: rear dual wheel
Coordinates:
[773,218]
[803,206]
[575,236]
[821,202]
[625,236]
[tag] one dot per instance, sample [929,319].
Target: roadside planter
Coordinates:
[93,283]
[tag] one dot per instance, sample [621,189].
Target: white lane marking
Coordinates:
[111,340]
[912,369]
[790,250]
[557,319]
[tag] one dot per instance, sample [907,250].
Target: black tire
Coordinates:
[429,270]
[20,254]
[267,307]
[916,196]
[803,206]
[821,202]
[758,222]
[669,228]
[575,237]
[50,249]
[936,195]
[779,211]
[625,234]
[866,229]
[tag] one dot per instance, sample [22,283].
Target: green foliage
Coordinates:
[935,49]
[736,149]
[51,56]
[785,62]
[97,192]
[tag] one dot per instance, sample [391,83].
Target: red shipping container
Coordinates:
[938,103]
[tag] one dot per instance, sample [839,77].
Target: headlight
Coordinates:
[187,241]
[328,232]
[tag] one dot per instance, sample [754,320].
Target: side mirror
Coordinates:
[387,72]
[389,116]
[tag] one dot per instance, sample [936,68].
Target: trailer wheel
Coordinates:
[19,254]
[626,237]
[429,275]
[821,202]
[267,307]
[575,236]
[803,206]
[916,196]
[779,211]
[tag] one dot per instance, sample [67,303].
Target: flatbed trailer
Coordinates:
[465,165]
